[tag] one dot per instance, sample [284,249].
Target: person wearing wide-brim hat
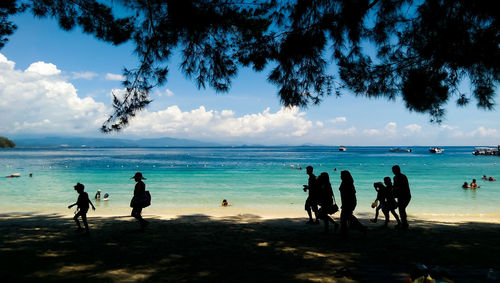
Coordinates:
[138,199]
[138,175]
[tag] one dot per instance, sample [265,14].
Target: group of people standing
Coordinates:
[321,194]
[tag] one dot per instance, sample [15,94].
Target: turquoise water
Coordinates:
[263,178]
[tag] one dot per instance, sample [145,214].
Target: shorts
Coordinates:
[311,204]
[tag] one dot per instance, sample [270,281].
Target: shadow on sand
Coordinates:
[237,249]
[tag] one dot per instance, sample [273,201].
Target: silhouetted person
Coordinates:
[402,193]
[82,204]
[379,188]
[348,198]
[138,201]
[311,201]
[326,200]
[465,185]
[390,203]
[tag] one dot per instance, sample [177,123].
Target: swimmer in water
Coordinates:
[473,184]
[98,195]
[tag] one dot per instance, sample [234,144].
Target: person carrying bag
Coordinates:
[140,200]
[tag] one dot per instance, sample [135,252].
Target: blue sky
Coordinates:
[57,82]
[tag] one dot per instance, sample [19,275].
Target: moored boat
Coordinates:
[436,150]
[486,151]
[342,148]
[400,149]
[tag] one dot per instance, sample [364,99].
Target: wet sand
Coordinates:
[242,248]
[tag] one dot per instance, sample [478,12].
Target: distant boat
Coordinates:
[400,149]
[342,148]
[436,150]
[486,151]
[15,175]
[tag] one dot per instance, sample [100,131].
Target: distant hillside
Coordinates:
[6,143]
[108,142]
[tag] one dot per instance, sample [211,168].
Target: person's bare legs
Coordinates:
[84,220]
[136,213]
[78,222]
[397,217]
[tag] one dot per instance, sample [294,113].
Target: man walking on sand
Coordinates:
[402,193]
[312,199]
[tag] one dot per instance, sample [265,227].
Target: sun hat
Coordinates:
[79,186]
[138,175]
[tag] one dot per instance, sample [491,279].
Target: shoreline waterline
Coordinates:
[256,214]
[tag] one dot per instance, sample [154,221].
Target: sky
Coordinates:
[54,82]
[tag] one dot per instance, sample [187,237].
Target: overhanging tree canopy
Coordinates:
[421,51]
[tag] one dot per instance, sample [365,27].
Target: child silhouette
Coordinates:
[83,206]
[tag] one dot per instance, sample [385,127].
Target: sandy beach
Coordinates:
[241,248]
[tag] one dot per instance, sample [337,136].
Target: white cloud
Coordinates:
[371,132]
[5,64]
[84,75]
[448,127]
[114,77]
[338,120]
[169,93]
[44,69]
[391,128]
[413,128]
[484,132]
[38,100]
[198,123]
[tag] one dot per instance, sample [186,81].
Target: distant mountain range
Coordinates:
[58,141]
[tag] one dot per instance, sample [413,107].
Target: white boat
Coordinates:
[399,149]
[436,150]
[342,148]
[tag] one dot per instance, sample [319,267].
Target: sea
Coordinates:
[264,181]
